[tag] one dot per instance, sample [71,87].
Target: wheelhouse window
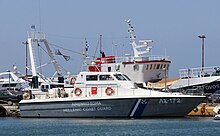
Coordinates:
[105,77]
[164,66]
[168,66]
[55,86]
[161,66]
[6,76]
[136,67]
[45,86]
[119,77]
[127,77]
[91,77]
[4,93]
[147,67]
[7,85]
[109,69]
[151,65]
[158,66]
[155,65]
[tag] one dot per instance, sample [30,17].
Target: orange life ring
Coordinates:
[77,91]
[109,91]
[72,81]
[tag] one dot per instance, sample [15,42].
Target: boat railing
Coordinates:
[200,72]
[187,91]
[145,58]
[113,59]
[101,91]
[36,35]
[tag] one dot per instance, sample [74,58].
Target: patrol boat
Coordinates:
[108,95]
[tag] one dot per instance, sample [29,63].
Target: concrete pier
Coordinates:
[9,110]
[204,110]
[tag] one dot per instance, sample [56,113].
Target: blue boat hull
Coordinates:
[112,108]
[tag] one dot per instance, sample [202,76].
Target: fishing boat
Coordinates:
[108,95]
[141,66]
[198,80]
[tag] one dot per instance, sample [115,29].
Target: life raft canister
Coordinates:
[109,91]
[77,91]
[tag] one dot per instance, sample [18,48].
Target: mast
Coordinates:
[26,70]
[85,53]
[101,46]
[26,57]
[140,49]
[36,37]
[32,59]
[35,83]
[132,37]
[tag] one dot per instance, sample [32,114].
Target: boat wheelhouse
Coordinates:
[141,67]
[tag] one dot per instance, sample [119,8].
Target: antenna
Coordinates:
[131,30]
[128,21]
[85,53]
[101,46]
[86,48]
[140,48]
[39,9]
[26,57]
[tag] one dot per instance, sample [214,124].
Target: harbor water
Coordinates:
[201,126]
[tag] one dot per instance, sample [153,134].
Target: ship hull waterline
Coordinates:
[112,108]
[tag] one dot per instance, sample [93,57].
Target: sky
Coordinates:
[173,25]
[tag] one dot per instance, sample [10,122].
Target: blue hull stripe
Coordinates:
[141,107]
[138,108]
[134,108]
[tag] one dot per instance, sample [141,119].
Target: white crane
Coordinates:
[38,37]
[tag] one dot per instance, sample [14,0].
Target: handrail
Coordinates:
[114,59]
[200,72]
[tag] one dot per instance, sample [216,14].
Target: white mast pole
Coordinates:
[132,37]
[33,66]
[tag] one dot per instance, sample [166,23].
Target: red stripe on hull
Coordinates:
[140,62]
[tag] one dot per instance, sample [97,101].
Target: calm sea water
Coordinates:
[109,127]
